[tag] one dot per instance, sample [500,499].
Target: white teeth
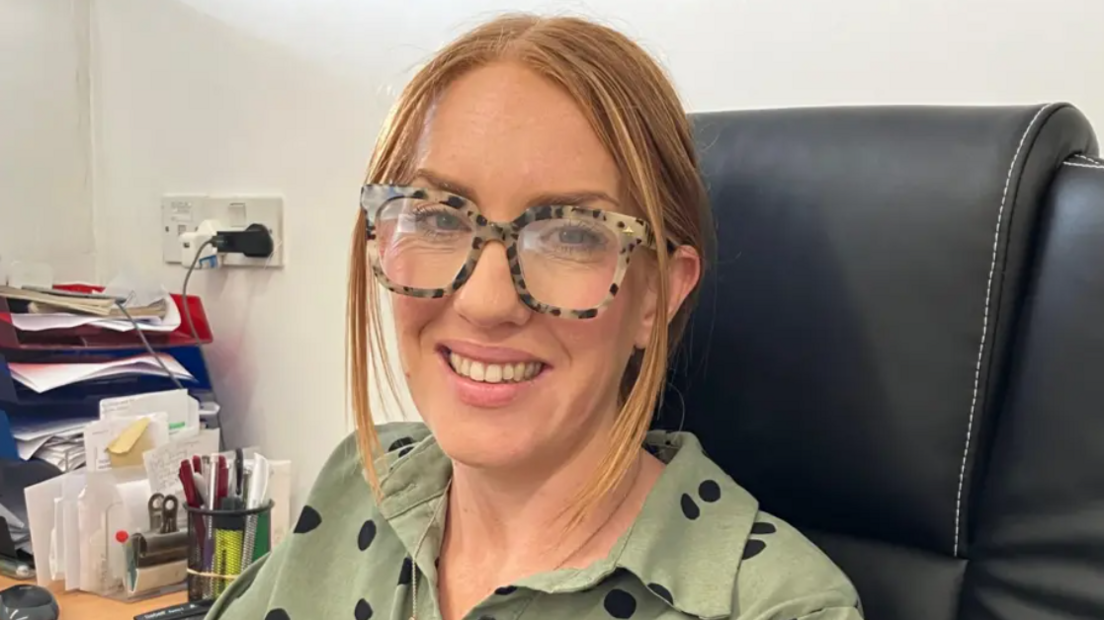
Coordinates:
[476,371]
[494,373]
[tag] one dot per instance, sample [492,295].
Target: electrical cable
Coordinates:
[184,290]
[149,348]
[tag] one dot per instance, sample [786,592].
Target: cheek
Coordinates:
[607,337]
[412,315]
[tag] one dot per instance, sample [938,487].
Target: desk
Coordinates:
[85,606]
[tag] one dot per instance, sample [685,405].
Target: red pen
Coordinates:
[197,464]
[223,479]
[186,479]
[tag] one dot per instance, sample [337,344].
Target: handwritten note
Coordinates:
[163,463]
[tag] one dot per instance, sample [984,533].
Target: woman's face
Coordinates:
[506,139]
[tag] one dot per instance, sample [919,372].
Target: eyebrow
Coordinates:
[579,198]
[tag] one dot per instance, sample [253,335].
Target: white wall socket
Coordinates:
[181,213]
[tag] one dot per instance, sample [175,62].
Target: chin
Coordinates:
[478,446]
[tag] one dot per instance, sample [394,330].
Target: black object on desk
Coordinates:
[15,477]
[184,611]
[28,602]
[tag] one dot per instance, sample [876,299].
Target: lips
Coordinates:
[491,372]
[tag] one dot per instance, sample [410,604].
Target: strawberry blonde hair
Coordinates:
[634,110]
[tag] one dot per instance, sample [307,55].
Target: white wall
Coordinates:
[45,185]
[286,97]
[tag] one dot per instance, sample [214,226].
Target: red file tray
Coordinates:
[90,337]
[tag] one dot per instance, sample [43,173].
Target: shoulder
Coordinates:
[705,541]
[782,573]
[345,465]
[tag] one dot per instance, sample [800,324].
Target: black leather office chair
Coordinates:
[900,348]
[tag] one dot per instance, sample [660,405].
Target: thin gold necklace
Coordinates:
[437,513]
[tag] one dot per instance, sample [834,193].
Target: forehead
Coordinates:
[508,134]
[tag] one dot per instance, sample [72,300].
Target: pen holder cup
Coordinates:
[222,544]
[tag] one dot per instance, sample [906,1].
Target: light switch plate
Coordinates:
[181,213]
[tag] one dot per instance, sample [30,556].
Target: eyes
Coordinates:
[439,223]
[436,220]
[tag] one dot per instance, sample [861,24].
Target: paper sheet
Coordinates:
[182,410]
[29,429]
[29,447]
[45,377]
[279,491]
[66,455]
[40,517]
[163,464]
[67,539]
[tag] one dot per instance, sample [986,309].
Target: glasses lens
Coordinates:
[569,263]
[422,244]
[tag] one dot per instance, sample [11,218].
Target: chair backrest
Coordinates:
[900,348]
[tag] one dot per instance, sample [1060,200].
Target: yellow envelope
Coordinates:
[126,450]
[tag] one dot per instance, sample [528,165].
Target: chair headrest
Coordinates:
[846,356]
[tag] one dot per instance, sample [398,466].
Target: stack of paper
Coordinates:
[65,454]
[59,442]
[45,377]
[66,320]
[104,306]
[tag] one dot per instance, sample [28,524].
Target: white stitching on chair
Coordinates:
[985,323]
[1074,164]
[1089,159]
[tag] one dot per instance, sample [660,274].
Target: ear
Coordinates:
[683,271]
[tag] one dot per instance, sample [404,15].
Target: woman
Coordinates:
[535,209]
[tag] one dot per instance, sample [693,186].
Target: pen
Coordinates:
[188,482]
[223,480]
[212,487]
[239,473]
[209,526]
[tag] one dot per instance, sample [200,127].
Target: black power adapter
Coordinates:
[255,241]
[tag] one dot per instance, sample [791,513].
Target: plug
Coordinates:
[192,242]
[255,241]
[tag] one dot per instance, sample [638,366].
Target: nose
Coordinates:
[488,299]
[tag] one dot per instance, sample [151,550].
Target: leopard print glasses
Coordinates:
[564,260]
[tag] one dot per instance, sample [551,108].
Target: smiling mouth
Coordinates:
[486,372]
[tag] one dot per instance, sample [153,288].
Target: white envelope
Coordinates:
[69,536]
[182,410]
[41,512]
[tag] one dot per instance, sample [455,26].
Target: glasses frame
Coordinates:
[632,232]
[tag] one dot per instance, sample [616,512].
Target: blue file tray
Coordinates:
[83,399]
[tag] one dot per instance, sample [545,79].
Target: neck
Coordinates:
[511,518]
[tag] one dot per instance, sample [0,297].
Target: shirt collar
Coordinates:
[685,546]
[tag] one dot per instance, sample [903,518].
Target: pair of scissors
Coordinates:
[162,513]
